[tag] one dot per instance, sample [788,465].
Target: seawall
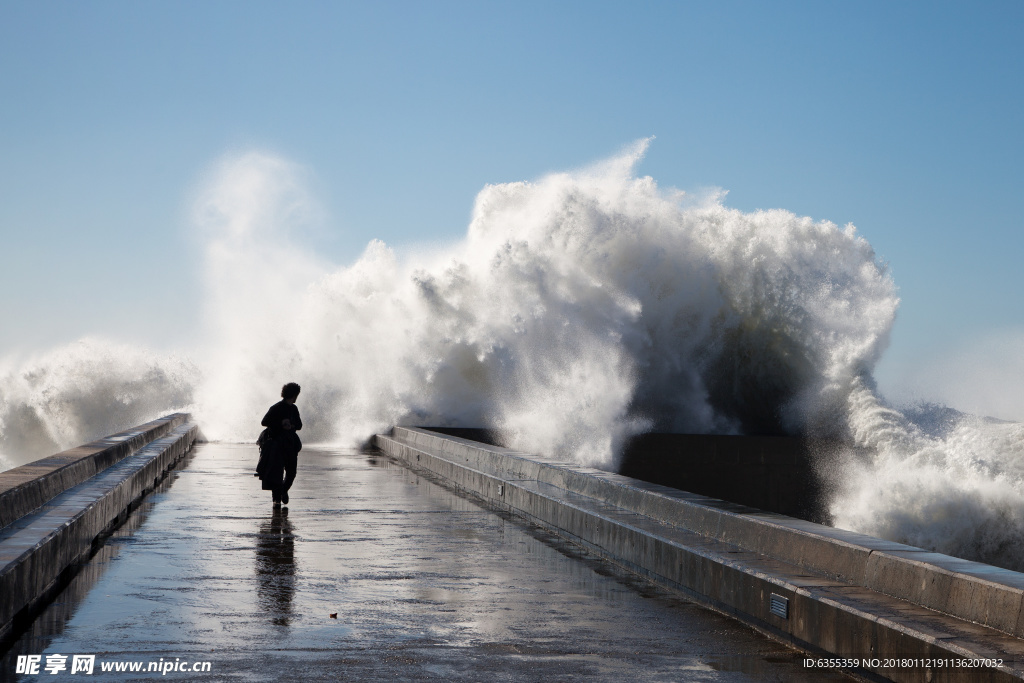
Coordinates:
[891,611]
[53,510]
[771,473]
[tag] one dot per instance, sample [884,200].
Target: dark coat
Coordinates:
[278,413]
[277,444]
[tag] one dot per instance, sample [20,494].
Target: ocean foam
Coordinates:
[70,395]
[579,309]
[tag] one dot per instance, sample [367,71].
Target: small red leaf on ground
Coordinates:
[334,616]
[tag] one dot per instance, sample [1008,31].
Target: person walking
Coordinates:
[280,445]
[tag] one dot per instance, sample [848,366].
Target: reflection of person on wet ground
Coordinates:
[280,445]
[275,566]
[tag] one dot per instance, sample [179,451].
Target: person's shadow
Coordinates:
[275,567]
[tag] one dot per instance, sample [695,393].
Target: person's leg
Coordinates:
[275,473]
[291,461]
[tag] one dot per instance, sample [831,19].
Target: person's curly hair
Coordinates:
[290,390]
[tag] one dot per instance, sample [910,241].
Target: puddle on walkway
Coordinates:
[425,585]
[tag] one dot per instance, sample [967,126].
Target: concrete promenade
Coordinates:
[57,509]
[426,585]
[895,611]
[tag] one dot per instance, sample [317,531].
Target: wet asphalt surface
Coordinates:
[425,585]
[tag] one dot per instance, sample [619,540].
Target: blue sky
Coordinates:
[903,118]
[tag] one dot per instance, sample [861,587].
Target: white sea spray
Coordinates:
[579,309]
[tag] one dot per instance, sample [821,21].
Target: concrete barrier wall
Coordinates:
[770,473]
[844,593]
[24,489]
[969,590]
[39,547]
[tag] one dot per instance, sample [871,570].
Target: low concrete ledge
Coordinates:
[844,593]
[770,473]
[38,548]
[968,590]
[26,488]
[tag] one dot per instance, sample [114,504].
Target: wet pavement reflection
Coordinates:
[424,585]
[275,566]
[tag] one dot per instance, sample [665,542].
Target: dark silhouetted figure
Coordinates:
[280,445]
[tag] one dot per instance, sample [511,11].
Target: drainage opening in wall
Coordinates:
[779,606]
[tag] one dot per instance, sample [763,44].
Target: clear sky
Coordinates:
[902,118]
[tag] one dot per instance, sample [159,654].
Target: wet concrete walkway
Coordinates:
[426,585]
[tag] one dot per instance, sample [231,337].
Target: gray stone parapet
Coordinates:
[969,590]
[823,589]
[26,488]
[37,548]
